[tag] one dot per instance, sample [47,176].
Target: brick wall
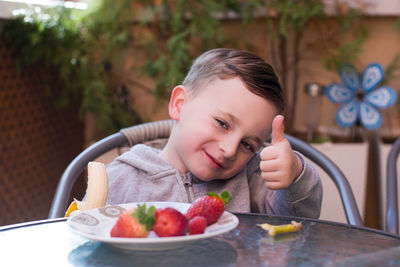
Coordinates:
[37,141]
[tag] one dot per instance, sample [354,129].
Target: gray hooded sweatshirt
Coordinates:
[141,174]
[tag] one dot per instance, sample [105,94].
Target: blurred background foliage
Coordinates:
[78,46]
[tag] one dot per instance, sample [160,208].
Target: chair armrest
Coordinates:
[76,167]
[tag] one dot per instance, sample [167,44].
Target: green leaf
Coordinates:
[391,69]
[145,216]
[213,194]
[396,25]
[152,210]
[225,196]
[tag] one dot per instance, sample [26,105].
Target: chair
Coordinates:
[392,210]
[161,129]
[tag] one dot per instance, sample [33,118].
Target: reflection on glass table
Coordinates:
[51,243]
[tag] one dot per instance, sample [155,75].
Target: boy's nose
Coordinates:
[229,147]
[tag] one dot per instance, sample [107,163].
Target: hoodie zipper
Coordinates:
[188,185]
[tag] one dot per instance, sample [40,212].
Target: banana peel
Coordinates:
[96,191]
[72,207]
[280,229]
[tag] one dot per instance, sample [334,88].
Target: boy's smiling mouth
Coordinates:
[213,161]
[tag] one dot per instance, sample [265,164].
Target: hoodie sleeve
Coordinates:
[303,198]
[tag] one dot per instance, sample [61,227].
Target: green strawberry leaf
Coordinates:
[145,216]
[151,211]
[213,194]
[225,196]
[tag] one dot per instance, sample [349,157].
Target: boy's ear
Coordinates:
[178,97]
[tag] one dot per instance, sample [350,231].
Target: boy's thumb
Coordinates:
[278,133]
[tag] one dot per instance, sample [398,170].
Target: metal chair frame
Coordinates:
[392,209]
[161,129]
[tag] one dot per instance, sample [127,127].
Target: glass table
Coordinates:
[51,243]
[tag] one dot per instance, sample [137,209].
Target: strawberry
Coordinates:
[210,206]
[197,225]
[170,222]
[134,223]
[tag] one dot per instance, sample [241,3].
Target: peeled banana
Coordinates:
[96,191]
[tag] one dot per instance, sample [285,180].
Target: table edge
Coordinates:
[364,228]
[19,225]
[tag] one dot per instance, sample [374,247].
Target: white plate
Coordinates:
[96,225]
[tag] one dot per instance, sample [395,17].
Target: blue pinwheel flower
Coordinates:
[362,100]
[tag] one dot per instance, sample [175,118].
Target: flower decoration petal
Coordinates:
[350,77]
[371,118]
[371,77]
[382,97]
[338,93]
[347,114]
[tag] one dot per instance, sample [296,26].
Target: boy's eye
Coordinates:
[248,146]
[222,123]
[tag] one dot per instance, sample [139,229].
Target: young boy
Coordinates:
[227,106]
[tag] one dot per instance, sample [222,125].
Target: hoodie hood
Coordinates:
[138,157]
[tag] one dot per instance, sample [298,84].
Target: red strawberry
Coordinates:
[134,223]
[197,225]
[210,206]
[170,222]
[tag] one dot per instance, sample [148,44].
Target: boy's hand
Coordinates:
[279,164]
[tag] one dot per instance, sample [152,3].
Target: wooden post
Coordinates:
[373,193]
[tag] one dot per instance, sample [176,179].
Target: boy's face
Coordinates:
[218,129]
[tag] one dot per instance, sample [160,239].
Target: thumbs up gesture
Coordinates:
[279,164]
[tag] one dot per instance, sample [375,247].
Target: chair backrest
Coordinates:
[161,129]
[392,210]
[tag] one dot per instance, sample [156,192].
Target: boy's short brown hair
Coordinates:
[225,63]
